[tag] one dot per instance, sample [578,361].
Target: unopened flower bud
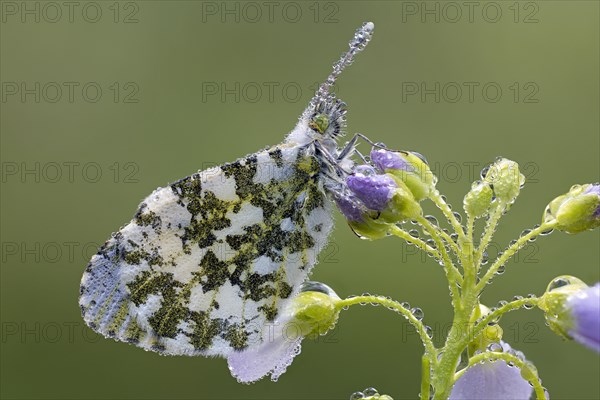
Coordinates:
[506,179]
[492,333]
[479,199]
[314,308]
[385,194]
[408,167]
[572,310]
[576,211]
[359,218]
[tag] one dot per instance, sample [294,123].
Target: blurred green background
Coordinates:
[104,101]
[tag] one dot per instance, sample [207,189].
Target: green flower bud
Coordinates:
[506,179]
[402,206]
[576,211]
[409,168]
[479,199]
[490,334]
[373,201]
[369,394]
[314,309]
[362,221]
[554,303]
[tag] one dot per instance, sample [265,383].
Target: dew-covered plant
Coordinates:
[383,196]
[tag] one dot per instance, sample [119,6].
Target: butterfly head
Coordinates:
[328,118]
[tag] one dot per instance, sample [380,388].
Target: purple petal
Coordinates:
[350,207]
[385,159]
[492,381]
[374,191]
[271,357]
[585,310]
[594,189]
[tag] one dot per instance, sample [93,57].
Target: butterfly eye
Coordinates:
[319,123]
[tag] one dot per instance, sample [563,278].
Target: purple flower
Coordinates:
[351,207]
[584,307]
[375,191]
[385,160]
[594,189]
[491,381]
[410,168]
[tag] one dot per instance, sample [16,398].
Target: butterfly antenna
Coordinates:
[361,38]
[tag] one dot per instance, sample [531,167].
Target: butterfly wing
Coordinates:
[209,260]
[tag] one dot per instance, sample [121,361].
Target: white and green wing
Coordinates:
[209,260]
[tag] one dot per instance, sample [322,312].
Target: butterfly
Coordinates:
[208,261]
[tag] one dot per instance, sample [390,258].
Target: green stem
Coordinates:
[531,373]
[430,349]
[437,199]
[489,232]
[447,239]
[470,225]
[456,342]
[401,233]
[425,377]
[510,306]
[452,273]
[523,240]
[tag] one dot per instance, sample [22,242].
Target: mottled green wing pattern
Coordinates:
[209,260]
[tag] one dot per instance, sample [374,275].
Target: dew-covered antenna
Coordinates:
[361,38]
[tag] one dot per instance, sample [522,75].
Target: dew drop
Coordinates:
[431,243]
[546,233]
[433,220]
[484,258]
[457,216]
[365,170]
[525,232]
[414,233]
[406,305]
[357,396]
[501,270]
[454,237]
[495,347]
[529,306]
[502,303]
[484,172]
[517,298]
[370,391]
[428,331]
[558,283]
[418,313]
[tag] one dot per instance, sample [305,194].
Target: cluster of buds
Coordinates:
[502,180]
[387,192]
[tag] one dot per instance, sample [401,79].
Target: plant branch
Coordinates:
[430,349]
